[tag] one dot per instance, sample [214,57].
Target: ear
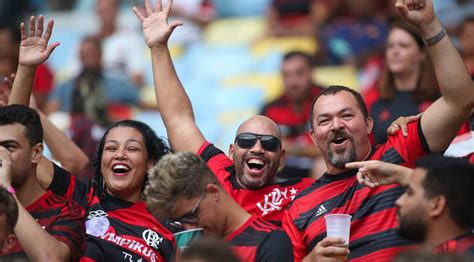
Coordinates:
[437,206]
[282,159]
[213,191]
[231,151]
[370,124]
[313,137]
[36,153]
[10,242]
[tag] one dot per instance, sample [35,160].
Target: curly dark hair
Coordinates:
[156,148]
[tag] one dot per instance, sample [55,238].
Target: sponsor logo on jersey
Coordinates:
[97,213]
[132,245]
[321,210]
[152,238]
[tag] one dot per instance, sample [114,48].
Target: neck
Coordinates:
[107,30]
[235,217]
[406,81]
[469,62]
[29,191]
[442,231]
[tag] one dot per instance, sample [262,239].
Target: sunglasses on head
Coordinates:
[268,142]
[188,218]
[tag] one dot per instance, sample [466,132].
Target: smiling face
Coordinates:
[256,167]
[402,53]
[124,163]
[340,130]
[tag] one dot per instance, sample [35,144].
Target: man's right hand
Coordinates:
[34,48]
[156,29]
[327,250]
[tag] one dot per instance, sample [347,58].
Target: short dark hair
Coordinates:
[332,90]
[209,250]
[8,208]
[306,57]
[156,148]
[453,178]
[23,115]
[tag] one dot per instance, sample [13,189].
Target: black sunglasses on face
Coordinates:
[248,140]
[188,218]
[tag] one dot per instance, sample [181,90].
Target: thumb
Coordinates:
[175,24]
[51,48]
[402,9]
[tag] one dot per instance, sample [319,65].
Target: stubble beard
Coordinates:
[341,159]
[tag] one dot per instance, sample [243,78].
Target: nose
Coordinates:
[120,153]
[337,123]
[187,226]
[257,147]
[399,201]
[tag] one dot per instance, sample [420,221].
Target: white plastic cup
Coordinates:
[338,225]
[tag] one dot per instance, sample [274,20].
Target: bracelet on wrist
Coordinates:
[436,38]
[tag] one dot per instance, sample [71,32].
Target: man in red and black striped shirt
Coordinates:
[257,152]
[340,128]
[49,227]
[183,188]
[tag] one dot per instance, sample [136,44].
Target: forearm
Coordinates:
[402,174]
[36,242]
[453,78]
[63,149]
[22,85]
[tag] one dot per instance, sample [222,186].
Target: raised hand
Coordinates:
[402,123]
[156,29]
[5,89]
[374,173]
[34,48]
[417,12]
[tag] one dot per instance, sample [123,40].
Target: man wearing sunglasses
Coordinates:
[340,128]
[183,189]
[256,154]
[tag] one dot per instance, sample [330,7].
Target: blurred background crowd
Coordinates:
[236,58]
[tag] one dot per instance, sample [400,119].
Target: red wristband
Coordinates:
[11,189]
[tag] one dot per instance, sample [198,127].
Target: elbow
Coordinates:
[76,165]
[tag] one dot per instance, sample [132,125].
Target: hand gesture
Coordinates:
[329,249]
[34,48]
[156,29]
[5,167]
[416,12]
[374,173]
[402,123]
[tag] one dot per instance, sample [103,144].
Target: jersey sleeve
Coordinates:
[67,186]
[217,161]
[275,247]
[69,229]
[299,248]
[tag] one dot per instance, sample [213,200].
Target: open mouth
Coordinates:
[255,164]
[339,140]
[120,168]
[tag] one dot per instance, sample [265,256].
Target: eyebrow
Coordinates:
[344,110]
[126,142]
[9,141]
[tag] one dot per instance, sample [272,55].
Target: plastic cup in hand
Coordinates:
[184,238]
[339,225]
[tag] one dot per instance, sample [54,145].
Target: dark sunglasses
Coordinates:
[268,142]
[188,218]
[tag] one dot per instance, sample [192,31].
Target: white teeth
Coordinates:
[119,166]
[256,161]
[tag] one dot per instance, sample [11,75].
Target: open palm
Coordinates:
[34,48]
[156,29]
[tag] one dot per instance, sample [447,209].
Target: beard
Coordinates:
[254,183]
[341,159]
[412,227]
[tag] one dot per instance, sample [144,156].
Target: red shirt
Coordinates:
[462,245]
[268,202]
[374,225]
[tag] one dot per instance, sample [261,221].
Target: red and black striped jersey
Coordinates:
[373,235]
[268,202]
[62,219]
[260,240]
[116,230]
[462,245]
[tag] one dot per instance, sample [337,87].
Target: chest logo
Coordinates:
[152,238]
[97,213]
[321,210]
[273,201]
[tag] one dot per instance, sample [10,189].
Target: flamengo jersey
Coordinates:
[62,219]
[374,224]
[259,240]
[116,230]
[462,245]
[268,202]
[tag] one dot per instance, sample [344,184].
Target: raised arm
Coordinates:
[34,50]
[442,120]
[173,102]
[374,173]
